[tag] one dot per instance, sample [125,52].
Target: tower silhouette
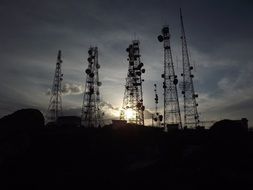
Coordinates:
[172,116]
[91,115]
[55,103]
[133,108]
[191,116]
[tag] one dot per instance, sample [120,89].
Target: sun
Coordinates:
[130,114]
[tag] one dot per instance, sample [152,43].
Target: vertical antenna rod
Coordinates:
[91,115]
[133,108]
[157,118]
[191,116]
[172,116]
[55,103]
[156,100]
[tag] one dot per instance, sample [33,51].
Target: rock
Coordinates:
[230,127]
[22,120]
[226,132]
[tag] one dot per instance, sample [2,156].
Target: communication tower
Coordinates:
[55,103]
[191,116]
[133,108]
[172,117]
[92,115]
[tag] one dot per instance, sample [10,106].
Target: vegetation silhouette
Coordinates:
[38,157]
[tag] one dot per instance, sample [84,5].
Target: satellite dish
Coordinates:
[91,75]
[139,105]
[160,117]
[88,71]
[89,59]
[175,81]
[165,29]
[160,38]
[140,66]
[135,43]
[138,73]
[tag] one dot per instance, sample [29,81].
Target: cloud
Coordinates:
[224,84]
[72,89]
[69,89]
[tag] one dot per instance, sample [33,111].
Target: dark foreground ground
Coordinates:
[126,158]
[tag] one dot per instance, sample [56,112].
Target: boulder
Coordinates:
[21,120]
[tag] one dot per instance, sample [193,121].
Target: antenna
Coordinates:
[172,117]
[157,118]
[191,116]
[91,115]
[133,108]
[55,102]
[156,99]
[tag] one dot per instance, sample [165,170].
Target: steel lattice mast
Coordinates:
[191,116]
[55,103]
[91,115]
[171,105]
[133,96]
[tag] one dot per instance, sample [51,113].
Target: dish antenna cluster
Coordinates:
[172,116]
[133,108]
[91,115]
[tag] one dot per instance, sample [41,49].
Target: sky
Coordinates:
[219,36]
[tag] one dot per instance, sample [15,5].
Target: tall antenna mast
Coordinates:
[156,100]
[91,115]
[171,113]
[191,116]
[133,108]
[55,103]
[157,117]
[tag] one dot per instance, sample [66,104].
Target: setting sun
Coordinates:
[130,114]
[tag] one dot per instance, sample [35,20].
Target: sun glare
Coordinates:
[130,114]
